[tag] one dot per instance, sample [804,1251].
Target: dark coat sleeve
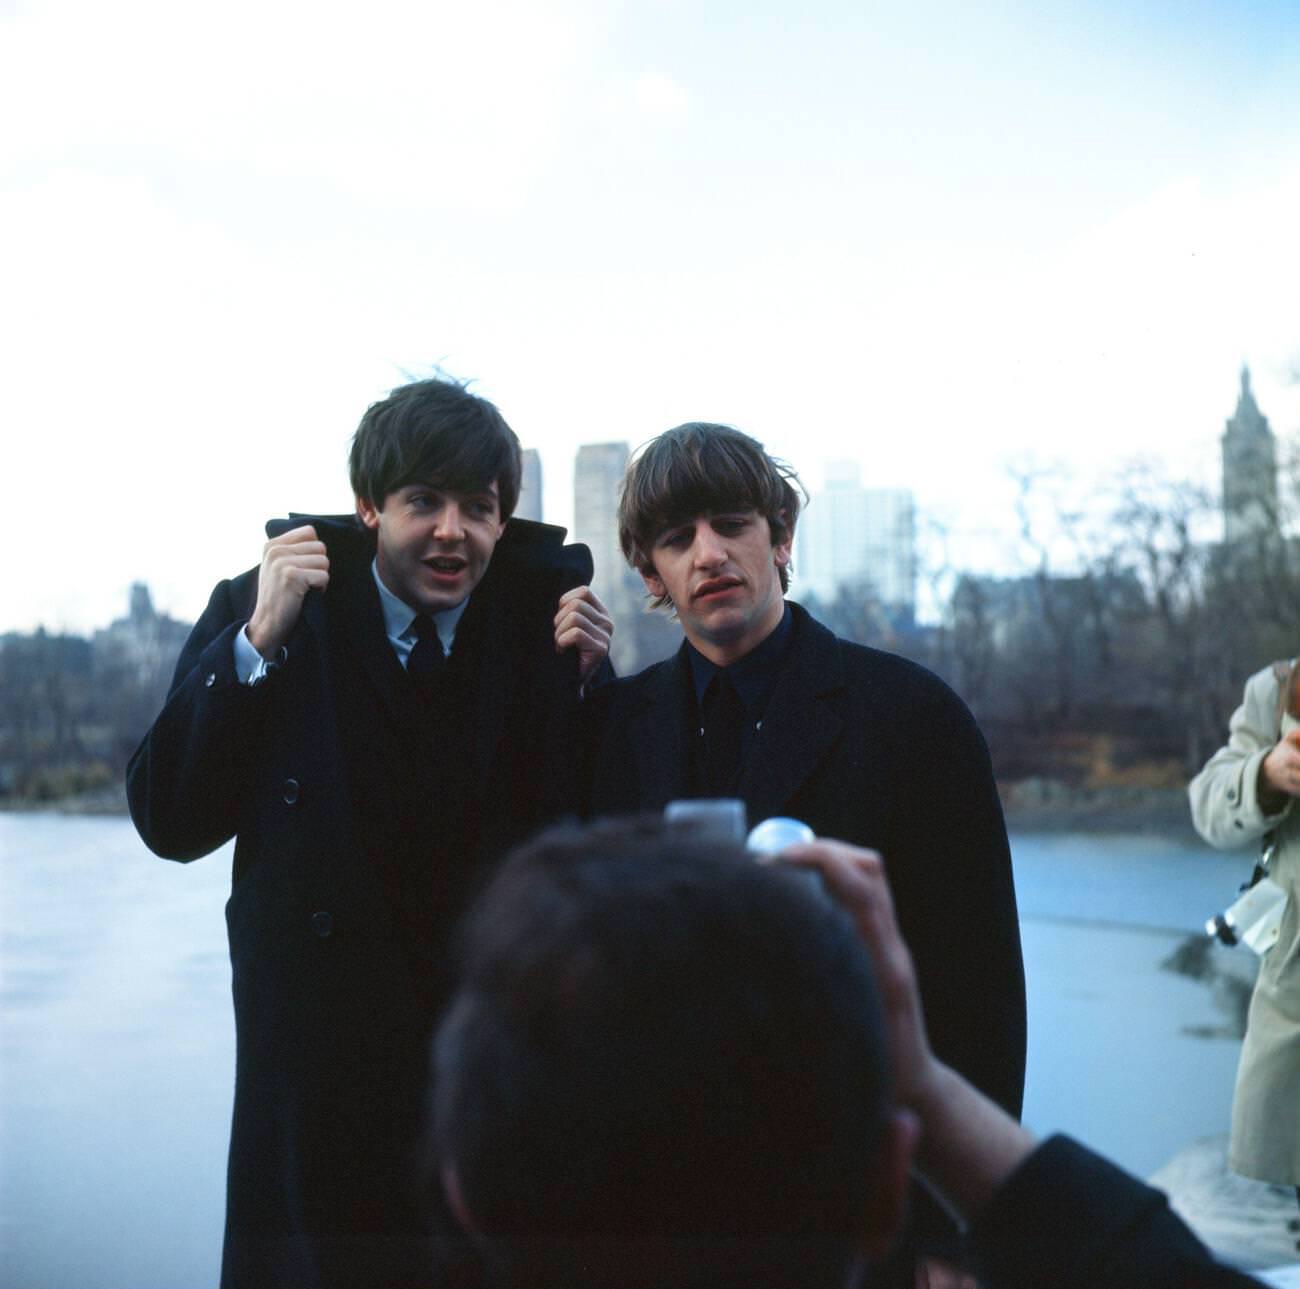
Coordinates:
[185,781]
[1067,1217]
[950,865]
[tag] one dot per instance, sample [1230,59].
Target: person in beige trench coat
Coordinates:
[1249,788]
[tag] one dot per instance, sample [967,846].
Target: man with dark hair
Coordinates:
[668,1067]
[376,715]
[763,703]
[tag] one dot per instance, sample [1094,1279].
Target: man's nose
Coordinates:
[709,547]
[450,527]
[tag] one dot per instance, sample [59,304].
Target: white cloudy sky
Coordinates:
[933,235]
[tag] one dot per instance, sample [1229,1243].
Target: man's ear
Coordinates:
[887,1204]
[781,550]
[367,512]
[653,583]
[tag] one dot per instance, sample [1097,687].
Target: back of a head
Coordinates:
[665,1066]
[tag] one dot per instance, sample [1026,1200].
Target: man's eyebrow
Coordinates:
[440,485]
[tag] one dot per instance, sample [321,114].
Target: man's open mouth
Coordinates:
[715,585]
[448,565]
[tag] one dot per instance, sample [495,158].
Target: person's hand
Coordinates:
[1279,774]
[582,623]
[934,1273]
[856,880]
[292,564]
[969,1145]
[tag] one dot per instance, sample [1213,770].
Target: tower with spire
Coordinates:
[1249,471]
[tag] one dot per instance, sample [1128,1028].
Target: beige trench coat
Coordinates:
[1265,1140]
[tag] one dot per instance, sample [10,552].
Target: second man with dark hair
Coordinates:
[763,703]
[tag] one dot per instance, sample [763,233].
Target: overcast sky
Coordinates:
[935,236]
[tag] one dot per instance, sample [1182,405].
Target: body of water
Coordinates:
[117,1041]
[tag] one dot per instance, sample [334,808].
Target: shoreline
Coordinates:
[1050,806]
[1030,805]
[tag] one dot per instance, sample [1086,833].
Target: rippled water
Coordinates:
[117,1044]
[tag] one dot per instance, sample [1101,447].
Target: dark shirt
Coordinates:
[754,676]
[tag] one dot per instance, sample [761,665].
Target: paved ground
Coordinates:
[1248,1223]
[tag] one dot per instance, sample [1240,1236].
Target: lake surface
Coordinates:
[117,1041]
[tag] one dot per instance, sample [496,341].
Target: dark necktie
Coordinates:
[427,660]
[723,724]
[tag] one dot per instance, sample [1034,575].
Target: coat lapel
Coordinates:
[356,622]
[661,733]
[802,723]
[496,678]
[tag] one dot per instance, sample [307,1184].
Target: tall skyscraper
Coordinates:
[597,478]
[530,487]
[849,533]
[1250,503]
[640,637]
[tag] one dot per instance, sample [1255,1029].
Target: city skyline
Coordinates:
[855,533]
[948,240]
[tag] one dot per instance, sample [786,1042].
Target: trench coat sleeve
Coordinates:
[1224,796]
[185,781]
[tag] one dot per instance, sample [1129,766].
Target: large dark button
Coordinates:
[322,923]
[291,791]
[1236,823]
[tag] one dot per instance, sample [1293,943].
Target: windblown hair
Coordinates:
[665,1066]
[703,469]
[435,431]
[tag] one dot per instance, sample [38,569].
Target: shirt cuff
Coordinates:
[250,667]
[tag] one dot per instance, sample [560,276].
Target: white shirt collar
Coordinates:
[398,616]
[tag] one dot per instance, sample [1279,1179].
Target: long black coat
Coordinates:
[363,826]
[869,748]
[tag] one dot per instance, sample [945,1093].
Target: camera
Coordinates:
[723,820]
[1254,918]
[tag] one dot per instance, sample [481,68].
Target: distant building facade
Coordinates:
[1250,497]
[529,505]
[141,645]
[640,638]
[850,535]
[598,473]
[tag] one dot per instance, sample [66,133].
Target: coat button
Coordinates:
[1232,794]
[1236,823]
[322,924]
[210,679]
[290,792]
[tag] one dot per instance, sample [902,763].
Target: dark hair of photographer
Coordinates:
[685,1045]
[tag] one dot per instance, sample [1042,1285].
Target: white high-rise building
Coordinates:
[597,478]
[530,486]
[849,533]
